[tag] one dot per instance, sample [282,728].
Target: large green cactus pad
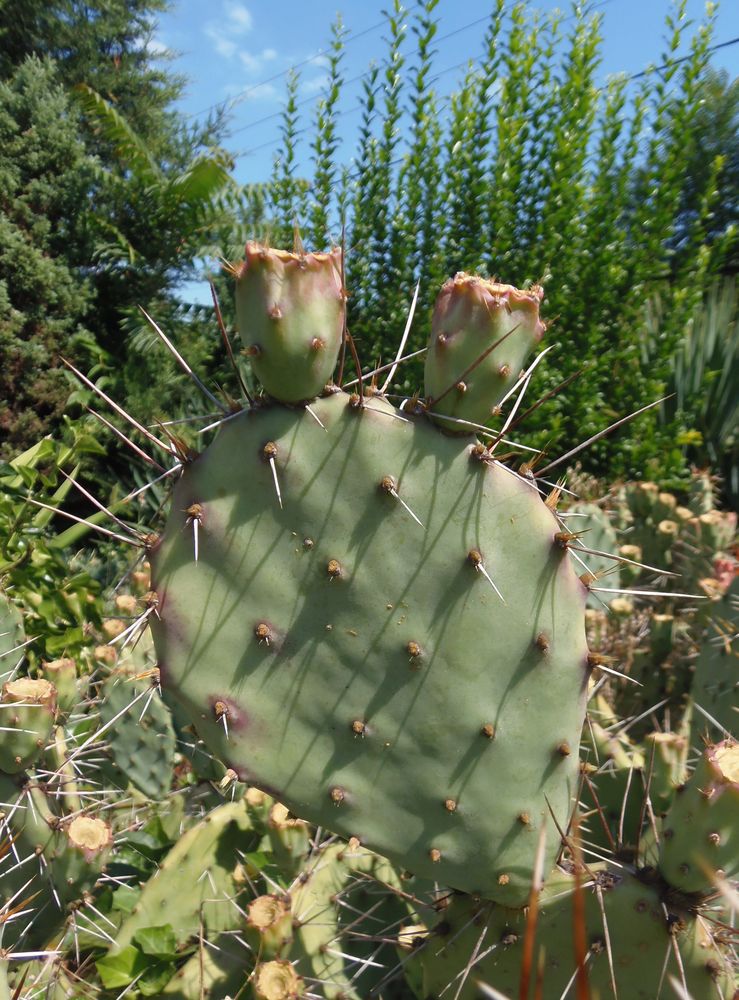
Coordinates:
[648,942]
[351,655]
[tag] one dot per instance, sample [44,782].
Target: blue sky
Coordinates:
[241,49]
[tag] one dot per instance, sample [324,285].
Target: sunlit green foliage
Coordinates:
[532,170]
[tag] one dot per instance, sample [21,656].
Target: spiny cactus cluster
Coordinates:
[380,614]
[366,771]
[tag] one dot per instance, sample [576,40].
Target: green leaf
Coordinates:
[70,637]
[121,969]
[157,941]
[156,977]
[125,898]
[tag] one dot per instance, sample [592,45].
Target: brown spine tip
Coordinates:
[151,599]
[474,557]
[337,795]
[450,805]
[488,731]
[563,749]
[562,539]
[263,632]
[333,568]
[435,854]
[542,642]
[358,727]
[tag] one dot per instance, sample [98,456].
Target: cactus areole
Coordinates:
[382,627]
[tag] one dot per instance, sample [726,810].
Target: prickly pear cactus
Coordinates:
[701,831]
[28,708]
[630,939]
[481,334]
[598,535]
[48,860]
[716,678]
[290,311]
[12,635]
[377,619]
[140,735]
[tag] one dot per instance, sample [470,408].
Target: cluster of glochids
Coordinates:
[363,611]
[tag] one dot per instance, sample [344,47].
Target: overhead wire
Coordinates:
[357,107]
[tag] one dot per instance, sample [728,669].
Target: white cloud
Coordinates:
[223,45]
[314,86]
[254,62]
[319,60]
[237,21]
[156,47]
[239,17]
[260,92]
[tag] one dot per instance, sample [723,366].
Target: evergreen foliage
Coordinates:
[531,171]
[45,299]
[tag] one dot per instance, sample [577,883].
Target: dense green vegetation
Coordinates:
[615,196]
[622,199]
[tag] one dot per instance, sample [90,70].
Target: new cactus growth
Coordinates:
[290,313]
[277,980]
[379,618]
[481,334]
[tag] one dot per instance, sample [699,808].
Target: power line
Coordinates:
[341,114]
[676,62]
[364,75]
[354,79]
[242,94]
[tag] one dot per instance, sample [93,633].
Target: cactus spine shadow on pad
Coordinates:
[378,621]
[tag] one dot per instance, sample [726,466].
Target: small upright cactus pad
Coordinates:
[290,310]
[481,333]
[381,644]
[715,687]
[701,830]
[11,636]
[139,736]
[599,535]
[28,708]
